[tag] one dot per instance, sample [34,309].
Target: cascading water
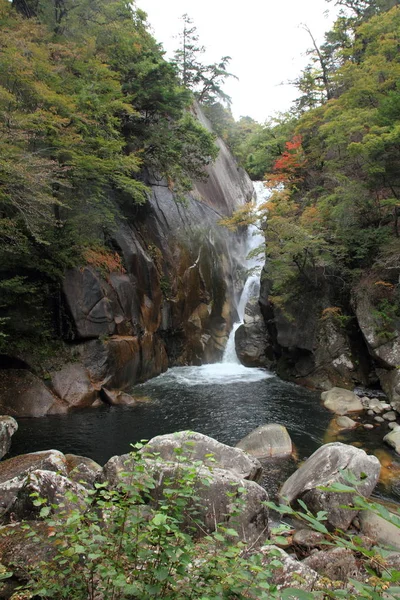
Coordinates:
[252,285]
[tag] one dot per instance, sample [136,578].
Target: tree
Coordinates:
[204,80]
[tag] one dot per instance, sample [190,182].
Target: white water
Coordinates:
[251,288]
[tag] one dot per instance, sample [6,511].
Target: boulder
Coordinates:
[390,382]
[379,529]
[345,423]
[341,401]
[324,468]
[196,446]
[82,470]
[8,426]
[390,416]
[308,538]
[393,439]
[117,398]
[73,386]
[22,394]
[292,573]
[14,471]
[252,341]
[217,496]
[337,564]
[271,440]
[56,491]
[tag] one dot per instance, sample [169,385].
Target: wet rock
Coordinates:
[22,394]
[394,426]
[390,416]
[292,573]
[82,470]
[271,440]
[346,423]
[308,538]
[379,419]
[14,471]
[73,386]
[252,341]
[324,468]
[341,401]
[57,492]
[368,426]
[8,426]
[393,440]
[379,529]
[117,398]
[196,446]
[337,564]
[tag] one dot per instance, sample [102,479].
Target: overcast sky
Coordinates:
[263,37]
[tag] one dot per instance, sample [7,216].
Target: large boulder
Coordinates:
[271,440]
[8,426]
[215,496]
[194,446]
[291,573]
[56,492]
[82,470]
[325,468]
[22,394]
[341,401]
[380,530]
[73,386]
[337,564]
[14,471]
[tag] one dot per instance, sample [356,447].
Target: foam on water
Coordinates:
[215,374]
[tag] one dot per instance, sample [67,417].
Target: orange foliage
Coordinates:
[331,311]
[104,260]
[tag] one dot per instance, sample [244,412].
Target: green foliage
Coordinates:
[87,103]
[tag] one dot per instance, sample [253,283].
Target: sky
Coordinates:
[263,37]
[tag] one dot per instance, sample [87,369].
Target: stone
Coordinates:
[379,419]
[337,564]
[379,529]
[196,446]
[82,470]
[271,440]
[22,394]
[14,471]
[54,489]
[368,426]
[393,440]
[308,538]
[394,426]
[252,341]
[390,416]
[341,401]
[346,423]
[292,573]
[221,495]
[8,426]
[324,468]
[73,386]
[117,398]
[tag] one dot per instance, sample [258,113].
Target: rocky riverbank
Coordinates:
[226,496]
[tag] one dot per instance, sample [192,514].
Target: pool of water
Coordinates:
[224,401]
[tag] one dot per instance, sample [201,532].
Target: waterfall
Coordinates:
[252,285]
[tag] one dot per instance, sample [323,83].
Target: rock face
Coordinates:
[252,340]
[270,440]
[8,426]
[324,468]
[167,300]
[341,401]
